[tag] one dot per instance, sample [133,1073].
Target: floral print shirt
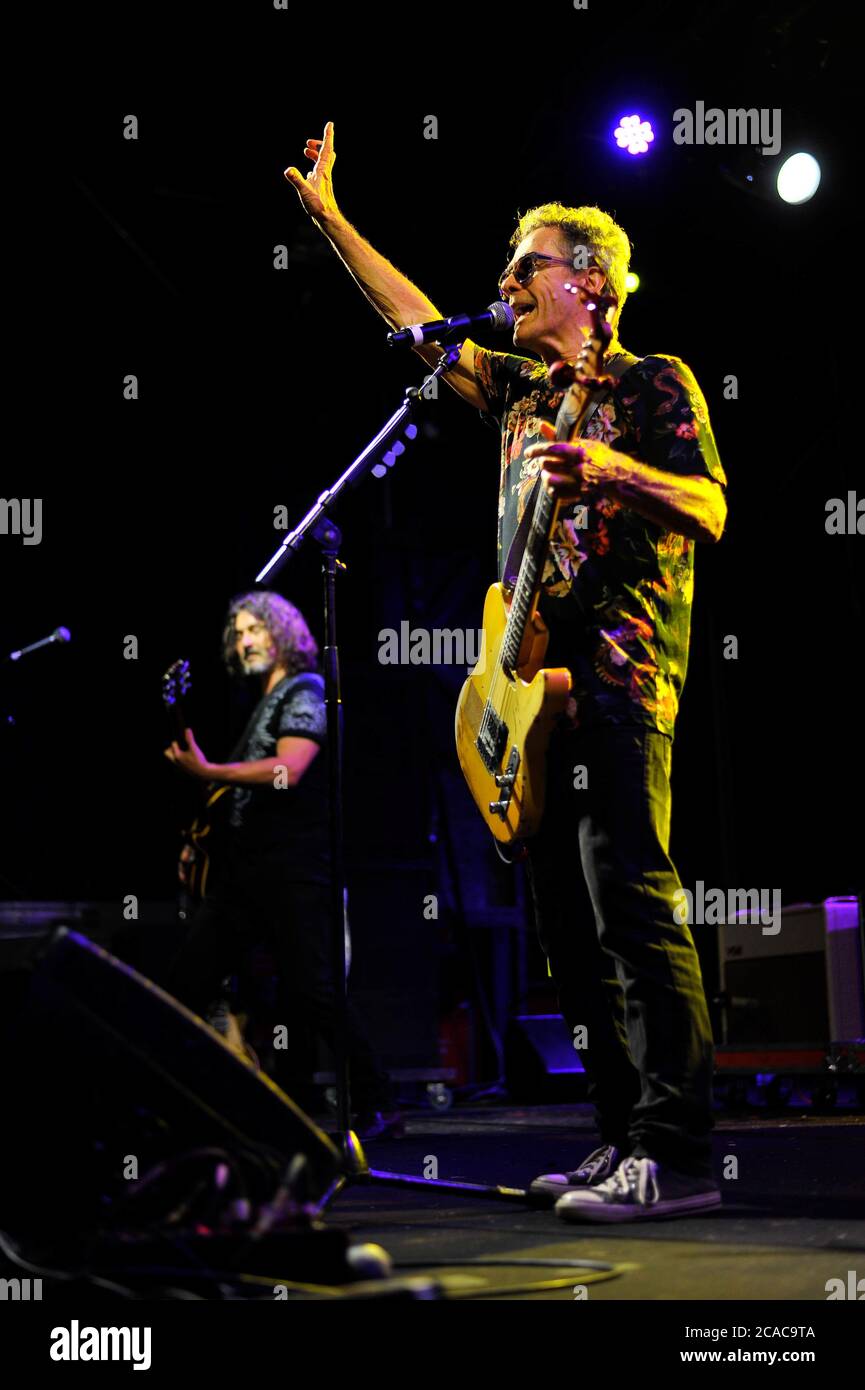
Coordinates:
[616,589]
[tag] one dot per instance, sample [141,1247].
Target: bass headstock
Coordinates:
[176,685]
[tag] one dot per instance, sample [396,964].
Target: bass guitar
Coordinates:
[207,830]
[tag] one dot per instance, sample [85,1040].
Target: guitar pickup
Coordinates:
[492,741]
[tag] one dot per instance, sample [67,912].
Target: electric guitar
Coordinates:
[207,830]
[509,704]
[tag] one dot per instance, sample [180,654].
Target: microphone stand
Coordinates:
[379,455]
[7,714]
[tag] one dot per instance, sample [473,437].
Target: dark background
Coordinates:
[257,387]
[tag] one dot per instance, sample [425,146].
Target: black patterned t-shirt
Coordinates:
[284,830]
[616,588]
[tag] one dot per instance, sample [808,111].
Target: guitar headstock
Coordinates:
[176,684]
[585,372]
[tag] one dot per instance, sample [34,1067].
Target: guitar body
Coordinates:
[510,702]
[503,726]
[205,835]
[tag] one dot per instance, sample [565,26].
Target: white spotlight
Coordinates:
[798,178]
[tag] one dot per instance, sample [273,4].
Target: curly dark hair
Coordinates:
[296,648]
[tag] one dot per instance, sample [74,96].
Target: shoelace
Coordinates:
[594,1163]
[635,1179]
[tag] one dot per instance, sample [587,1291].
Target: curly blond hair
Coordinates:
[607,243]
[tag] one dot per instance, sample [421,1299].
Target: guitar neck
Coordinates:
[581,379]
[528,585]
[178,719]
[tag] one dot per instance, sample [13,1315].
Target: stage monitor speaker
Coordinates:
[102,1066]
[801,984]
[540,1061]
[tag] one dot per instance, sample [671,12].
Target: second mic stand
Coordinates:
[379,455]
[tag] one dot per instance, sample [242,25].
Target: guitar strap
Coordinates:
[240,747]
[616,366]
[236,754]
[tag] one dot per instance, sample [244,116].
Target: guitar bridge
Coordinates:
[505,781]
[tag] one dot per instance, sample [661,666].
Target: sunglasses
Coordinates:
[525,269]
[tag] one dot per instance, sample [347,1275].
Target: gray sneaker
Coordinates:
[599,1166]
[640,1190]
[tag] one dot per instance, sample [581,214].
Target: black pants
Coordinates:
[626,971]
[292,920]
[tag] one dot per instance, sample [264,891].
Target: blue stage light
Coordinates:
[634,134]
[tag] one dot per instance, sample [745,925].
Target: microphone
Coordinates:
[60,634]
[498,316]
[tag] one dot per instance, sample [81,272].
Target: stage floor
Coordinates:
[792,1219]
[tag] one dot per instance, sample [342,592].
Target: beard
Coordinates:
[257,665]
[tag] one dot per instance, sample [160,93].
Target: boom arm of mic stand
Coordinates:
[377,448]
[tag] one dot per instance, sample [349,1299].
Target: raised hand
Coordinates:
[316,189]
